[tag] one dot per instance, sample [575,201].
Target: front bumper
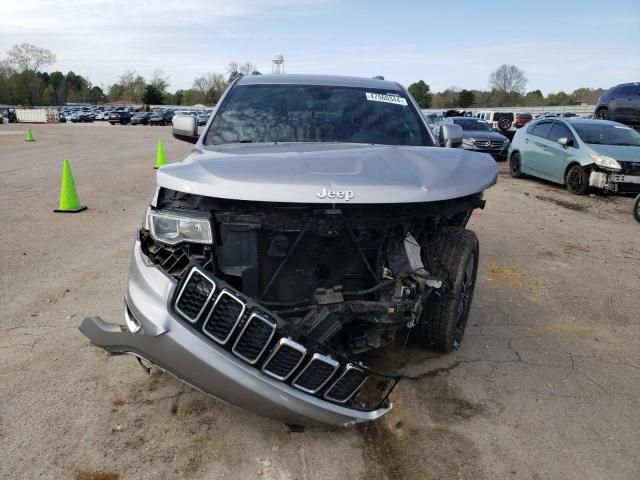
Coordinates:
[177,348]
[614,182]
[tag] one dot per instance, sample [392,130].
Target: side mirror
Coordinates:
[450,135]
[185,128]
[566,142]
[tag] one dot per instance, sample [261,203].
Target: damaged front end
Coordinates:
[268,306]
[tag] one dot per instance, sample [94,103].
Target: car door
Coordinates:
[557,157]
[531,156]
[620,109]
[634,104]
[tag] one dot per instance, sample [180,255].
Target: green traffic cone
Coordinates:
[69,201]
[29,136]
[161,158]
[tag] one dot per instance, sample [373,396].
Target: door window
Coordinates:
[558,131]
[541,129]
[625,90]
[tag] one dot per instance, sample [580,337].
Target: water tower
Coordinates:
[277,64]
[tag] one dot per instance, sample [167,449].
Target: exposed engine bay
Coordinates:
[349,276]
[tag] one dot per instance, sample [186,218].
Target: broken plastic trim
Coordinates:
[283,329]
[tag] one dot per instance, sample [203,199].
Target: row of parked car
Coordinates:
[579,152]
[129,115]
[157,117]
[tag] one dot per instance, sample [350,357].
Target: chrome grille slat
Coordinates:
[210,323]
[283,344]
[182,295]
[350,377]
[317,357]
[241,344]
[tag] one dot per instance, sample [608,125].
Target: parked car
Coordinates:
[478,136]
[297,242]
[82,117]
[503,121]
[102,116]
[522,119]
[140,118]
[161,117]
[546,115]
[578,153]
[122,117]
[203,118]
[621,104]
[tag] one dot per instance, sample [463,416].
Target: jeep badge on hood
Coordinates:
[339,194]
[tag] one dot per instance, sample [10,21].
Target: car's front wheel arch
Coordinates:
[582,186]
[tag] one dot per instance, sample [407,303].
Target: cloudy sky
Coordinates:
[561,45]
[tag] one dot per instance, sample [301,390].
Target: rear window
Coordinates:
[317,113]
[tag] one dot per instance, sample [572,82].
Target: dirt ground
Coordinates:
[546,384]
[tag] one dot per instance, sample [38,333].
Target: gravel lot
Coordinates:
[545,386]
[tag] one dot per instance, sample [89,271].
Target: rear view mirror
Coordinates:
[185,128]
[450,135]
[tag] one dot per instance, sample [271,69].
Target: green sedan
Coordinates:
[578,153]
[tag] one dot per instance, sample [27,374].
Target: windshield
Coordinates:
[471,124]
[313,113]
[607,134]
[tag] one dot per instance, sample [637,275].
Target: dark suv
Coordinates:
[161,117]
[119,117]
[620,104]
[140,118]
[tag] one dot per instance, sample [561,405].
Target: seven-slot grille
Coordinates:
[254,338]
[347,385]
[195,294]
[284,359]
[225,315]
[316,373]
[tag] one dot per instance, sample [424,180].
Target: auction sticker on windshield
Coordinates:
[380,97]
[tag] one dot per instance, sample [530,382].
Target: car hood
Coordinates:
[619,152]
[324,173]
[484,135]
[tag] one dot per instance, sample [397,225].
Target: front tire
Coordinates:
[577,180]
[636,209]
[515,166]
[454,254]
[602,114]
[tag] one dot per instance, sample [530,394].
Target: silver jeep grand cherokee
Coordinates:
[314,220]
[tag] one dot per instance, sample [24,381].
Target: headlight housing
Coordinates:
[468,141]
[176,226]
[606,162]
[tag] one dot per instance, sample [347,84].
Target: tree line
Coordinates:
[22,82]
[507,89]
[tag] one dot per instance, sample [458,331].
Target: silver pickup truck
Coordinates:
[315,220]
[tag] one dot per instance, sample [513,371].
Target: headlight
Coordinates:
[468,141]
[606,162]
[172,227]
